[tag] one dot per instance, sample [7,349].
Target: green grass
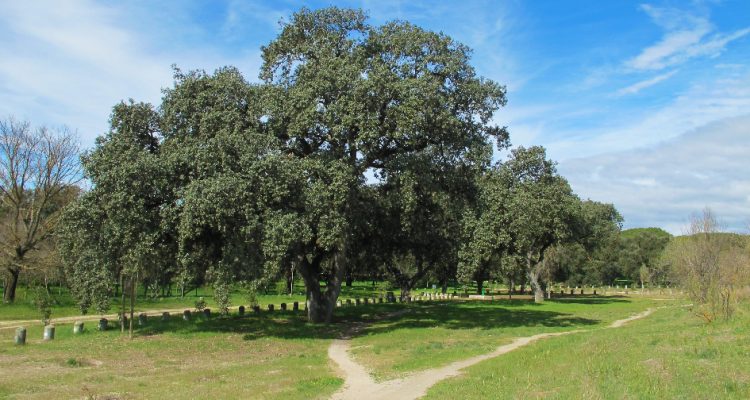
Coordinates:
[669,355]
[434,333]
[277,356]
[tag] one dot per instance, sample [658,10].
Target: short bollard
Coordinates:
[165,316]
[338,303]
[283,306]
[256,309]
[295,306]
[594,292]
[103,323]
[186,315]
[241,311]
[581,291]
[357,302]
[348,302]
[78,328]
[367,301]
[49,332]
[571,292]
[142,319]
[207,313]
[380,299]
[270,307]
[20,336]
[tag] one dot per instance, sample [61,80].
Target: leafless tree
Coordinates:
[39,170]
[711,265]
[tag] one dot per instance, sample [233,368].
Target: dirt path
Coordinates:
[69,320]
[359,384]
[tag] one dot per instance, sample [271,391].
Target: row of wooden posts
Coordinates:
[49,330]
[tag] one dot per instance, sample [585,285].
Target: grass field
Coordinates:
[670,354]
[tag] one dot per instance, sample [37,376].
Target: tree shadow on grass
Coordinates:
[461,316]
[449,315]
[590,300]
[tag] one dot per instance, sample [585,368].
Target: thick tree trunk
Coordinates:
[534,279]
[320,304]
[9,295]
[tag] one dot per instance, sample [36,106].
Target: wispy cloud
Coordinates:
[638,86]
[665,184]
[686,36]
[72,61]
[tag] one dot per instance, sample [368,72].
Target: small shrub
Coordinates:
[43,303]
[200,305]
[72,362]
[250,290]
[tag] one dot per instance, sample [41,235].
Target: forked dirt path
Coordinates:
[359,384]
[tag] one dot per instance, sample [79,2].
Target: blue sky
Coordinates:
[645,105]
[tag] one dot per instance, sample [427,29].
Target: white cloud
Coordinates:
[638,86]
[72,61]
[726,95]
[662,186]
[686,36]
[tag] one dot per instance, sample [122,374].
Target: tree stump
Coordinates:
[142,318]
[165,316]
[256,309]
[295,306]
[49,332]
[241,311]
[102,324]
[20,336]
[270,307]
[78,328]
[207,313]
[186,315]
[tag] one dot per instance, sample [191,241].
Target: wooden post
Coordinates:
[20,336]
[49,332]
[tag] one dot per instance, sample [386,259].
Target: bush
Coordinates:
[43,303]
[711,266]
[200,305]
